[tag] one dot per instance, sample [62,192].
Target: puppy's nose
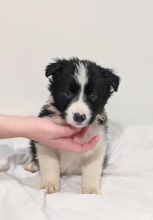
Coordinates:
[78,117]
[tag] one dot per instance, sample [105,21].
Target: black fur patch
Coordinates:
[33,151]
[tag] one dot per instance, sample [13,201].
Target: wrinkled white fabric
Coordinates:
[127,183]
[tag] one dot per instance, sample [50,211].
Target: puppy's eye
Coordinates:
[93,96]
[68,93]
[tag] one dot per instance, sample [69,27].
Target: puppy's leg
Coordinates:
[33,165]
[91,175]
[49,169]
[91,172]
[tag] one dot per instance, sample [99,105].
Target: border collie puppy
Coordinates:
[79,90]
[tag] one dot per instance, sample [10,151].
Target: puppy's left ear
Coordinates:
[112,79]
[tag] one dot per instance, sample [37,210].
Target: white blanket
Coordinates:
[127,183]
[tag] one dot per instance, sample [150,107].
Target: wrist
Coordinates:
[19,126]
[28,127]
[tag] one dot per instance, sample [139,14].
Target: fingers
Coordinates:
[69,144]
[91,143]
[65,131]
[80,134]
[83,131]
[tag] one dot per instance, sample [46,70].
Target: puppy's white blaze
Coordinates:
[79,106]
[82,78]
[81,75]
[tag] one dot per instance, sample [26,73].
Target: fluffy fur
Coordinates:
[79,90]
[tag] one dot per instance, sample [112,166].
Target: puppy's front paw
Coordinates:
[50,186]
[32,167]
[91,190]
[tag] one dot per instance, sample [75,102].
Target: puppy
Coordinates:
[79,90]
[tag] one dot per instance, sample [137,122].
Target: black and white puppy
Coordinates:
[79,90]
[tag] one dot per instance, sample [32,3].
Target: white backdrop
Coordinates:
[116,34]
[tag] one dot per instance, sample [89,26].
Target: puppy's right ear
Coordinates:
[52,69]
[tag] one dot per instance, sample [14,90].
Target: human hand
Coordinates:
[45,131]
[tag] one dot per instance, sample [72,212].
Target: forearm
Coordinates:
[13,126]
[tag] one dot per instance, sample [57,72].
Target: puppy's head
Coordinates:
[80,89]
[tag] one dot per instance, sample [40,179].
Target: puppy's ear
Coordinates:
[52,69]
[112,79]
